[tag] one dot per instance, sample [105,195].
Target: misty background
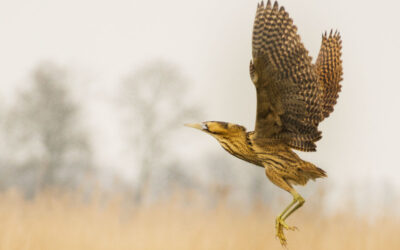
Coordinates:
[94,94]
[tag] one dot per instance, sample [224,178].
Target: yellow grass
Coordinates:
[57,222]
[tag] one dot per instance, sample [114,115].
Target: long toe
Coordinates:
[280,225]
[281,236]
[283,224]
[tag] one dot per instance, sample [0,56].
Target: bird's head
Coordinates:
[218,129]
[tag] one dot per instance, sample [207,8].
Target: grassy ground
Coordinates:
[64,222]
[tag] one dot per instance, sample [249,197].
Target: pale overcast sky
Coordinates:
[102,41]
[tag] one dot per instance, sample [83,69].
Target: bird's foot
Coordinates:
[280,224]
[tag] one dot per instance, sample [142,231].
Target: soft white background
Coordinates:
[102,41]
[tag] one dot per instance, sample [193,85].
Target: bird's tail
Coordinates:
[312,172]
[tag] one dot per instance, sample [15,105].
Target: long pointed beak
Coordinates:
[194,125]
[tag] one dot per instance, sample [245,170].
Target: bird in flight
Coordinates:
[293,97]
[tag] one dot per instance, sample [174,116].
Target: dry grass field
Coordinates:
[53,221]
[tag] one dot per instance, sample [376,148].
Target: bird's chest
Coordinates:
[242,151]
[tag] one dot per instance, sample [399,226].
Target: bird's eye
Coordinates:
[204,126]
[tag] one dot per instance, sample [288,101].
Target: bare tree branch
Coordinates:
[43,128]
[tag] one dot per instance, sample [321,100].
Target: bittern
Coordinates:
[293,97]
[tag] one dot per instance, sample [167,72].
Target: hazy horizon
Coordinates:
[101,43]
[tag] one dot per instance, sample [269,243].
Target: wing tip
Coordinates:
[331,34]
[268,6]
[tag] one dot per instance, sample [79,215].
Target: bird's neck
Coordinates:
[239,145]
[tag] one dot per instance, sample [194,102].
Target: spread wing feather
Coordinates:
[329,66]
[289,96]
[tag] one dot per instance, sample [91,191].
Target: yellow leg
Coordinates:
[287,208]
[300,203]
[276,178]
[280,220]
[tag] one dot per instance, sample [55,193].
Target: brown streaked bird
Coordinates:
[293,97]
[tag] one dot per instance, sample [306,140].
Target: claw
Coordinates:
[281,236]
[280,225]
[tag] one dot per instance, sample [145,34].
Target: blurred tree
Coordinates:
[157,105]
[46,145]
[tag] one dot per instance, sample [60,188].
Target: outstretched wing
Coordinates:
[329,66]
[288,93]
